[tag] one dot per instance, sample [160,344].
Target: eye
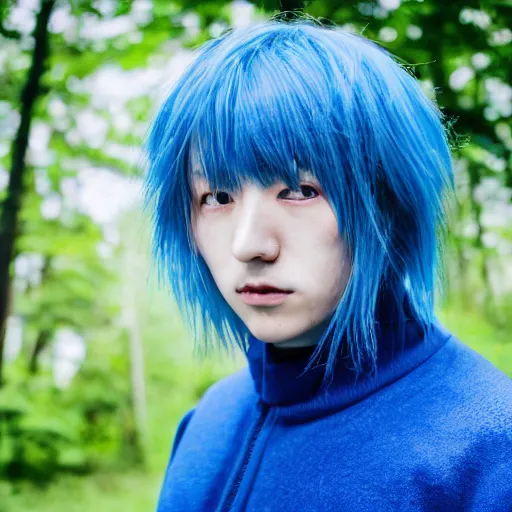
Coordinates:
[306,192]
[220,196]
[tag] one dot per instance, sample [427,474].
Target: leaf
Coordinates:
[13,402]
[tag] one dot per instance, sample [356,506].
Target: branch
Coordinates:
[9,34]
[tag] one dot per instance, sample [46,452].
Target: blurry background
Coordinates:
[95,367]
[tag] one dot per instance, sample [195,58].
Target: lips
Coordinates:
[263,295]
[262,289]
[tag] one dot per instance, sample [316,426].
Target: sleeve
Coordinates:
[182,426]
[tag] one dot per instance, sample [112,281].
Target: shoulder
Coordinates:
[479,393]
[478,373]
[223,403]
[485,417]
[231,389]
[228,399]
[458,362]
[461,408]
[462,394]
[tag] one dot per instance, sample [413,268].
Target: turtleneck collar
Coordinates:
[281,381]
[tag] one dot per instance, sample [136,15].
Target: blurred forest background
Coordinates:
[95,367]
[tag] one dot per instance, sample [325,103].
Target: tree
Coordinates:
[9,213]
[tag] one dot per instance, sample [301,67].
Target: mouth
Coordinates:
[263,295]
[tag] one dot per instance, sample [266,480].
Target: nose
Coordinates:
[256,231]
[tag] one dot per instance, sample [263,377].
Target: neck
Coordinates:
[307,338]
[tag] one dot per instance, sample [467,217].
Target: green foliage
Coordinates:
[49,431]
[36,431]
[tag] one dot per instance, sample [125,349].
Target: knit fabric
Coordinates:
[431,431]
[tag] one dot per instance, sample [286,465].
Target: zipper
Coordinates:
[230,498]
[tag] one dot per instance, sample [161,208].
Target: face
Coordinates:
[287,239]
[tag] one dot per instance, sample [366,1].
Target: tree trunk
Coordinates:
[42,340]
[132,266]
[12,203]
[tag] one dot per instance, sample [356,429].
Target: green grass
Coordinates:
[102,492]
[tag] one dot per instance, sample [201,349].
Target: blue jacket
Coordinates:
[431,432]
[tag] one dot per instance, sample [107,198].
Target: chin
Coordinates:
[273,332]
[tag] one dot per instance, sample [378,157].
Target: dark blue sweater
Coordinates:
[431,432]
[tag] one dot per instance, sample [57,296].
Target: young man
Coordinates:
[298,177]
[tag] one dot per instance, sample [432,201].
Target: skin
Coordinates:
[289,239]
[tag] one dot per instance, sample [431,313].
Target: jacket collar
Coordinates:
[301,396]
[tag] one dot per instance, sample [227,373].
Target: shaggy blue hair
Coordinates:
[265,102]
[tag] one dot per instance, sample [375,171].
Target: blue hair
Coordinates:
[264,102]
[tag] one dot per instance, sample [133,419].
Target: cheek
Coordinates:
[212,249]
[331,229]
[202,234]
[336,266]
[202,238]
[325,233]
